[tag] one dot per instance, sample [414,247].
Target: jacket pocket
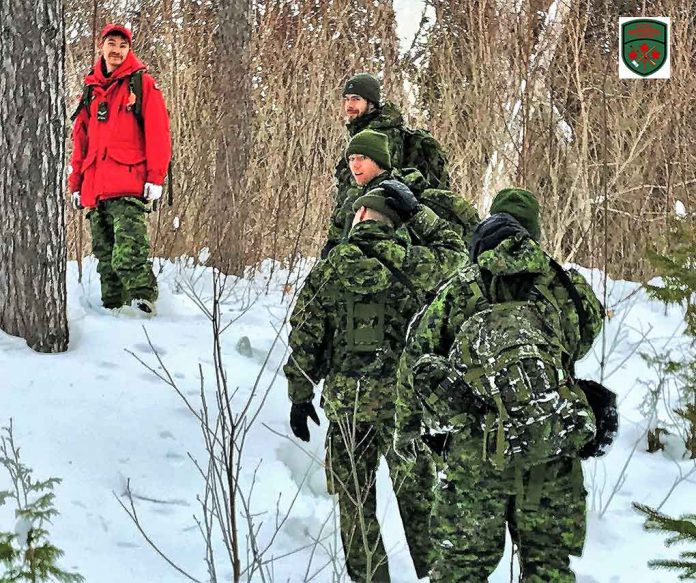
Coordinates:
[88,170]
[127,156]
[124,171]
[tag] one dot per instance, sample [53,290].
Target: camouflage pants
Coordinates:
[352,458]
[120,244]
[473,504]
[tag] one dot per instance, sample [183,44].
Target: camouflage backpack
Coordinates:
[455,209]
[510,357]
[423,151]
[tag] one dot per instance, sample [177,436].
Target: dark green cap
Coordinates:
[376,200]
[522,205]
[365,85]
[373,145]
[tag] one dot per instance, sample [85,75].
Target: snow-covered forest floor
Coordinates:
[96,417]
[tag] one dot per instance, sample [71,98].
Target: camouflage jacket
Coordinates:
[386,120]
[497,272]
[350,319]
[457,211]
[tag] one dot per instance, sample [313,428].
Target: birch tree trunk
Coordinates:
[32,204]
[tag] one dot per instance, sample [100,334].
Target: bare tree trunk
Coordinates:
[230,201]
[32,205]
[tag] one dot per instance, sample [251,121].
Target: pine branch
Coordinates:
[30,556]
[681,530]
[688,566]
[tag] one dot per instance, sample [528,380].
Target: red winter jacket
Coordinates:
[117,157]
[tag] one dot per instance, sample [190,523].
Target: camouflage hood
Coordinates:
[412,178]
[358,273]
[384,118]
[515,255]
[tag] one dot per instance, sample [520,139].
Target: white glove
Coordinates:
[76,201]
[152,191]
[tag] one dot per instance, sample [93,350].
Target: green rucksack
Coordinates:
[448,205]
[423,151]
[510,357]
[455,209]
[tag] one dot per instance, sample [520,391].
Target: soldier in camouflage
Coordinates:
[476,499]
[348,328]
[369,157]
[363,109]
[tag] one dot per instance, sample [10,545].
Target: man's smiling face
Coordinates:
[363,168]
[114,49]
[354,106]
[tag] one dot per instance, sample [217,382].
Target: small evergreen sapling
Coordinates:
[26,555]
[680,530]
[677,267]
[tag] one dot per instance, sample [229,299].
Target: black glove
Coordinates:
[400,198]
[325,250]
[436,442]
[298,419]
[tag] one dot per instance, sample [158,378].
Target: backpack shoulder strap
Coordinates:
[135,85]
[572,291]
[470,277]
[85,101]
[399,275]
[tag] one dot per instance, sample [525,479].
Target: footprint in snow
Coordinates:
[175,458]
[107,364]
[145,347]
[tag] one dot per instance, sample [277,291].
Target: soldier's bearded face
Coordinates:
[363,168]
[114,49]
[354,106]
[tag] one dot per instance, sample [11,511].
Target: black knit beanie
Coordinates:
[365,85]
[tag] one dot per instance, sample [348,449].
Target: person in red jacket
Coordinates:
[121,152]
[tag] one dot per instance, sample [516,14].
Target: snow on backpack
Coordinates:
[510,356]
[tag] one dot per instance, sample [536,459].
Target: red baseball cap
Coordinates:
[117,29]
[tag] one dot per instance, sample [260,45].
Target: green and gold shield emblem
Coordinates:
[644,45]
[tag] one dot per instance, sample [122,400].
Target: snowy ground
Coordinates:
[95,417]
